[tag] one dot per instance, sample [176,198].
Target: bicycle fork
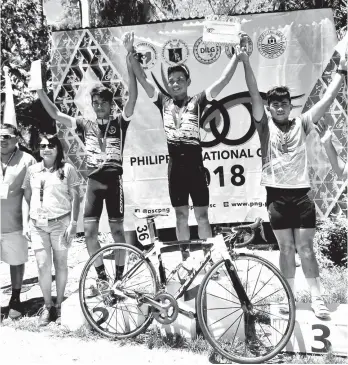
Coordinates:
[238,287]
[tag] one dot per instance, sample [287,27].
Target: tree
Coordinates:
[339,8]
[25,37]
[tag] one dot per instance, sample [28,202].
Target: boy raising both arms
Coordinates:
[285,175]
[104,140]
[181,119]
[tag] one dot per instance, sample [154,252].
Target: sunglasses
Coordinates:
[49,145]
[7,136]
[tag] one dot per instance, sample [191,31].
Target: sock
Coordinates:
[101,272]
[314,286]
[15,294]
[119,272]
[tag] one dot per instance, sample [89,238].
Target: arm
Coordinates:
[132,89]
[149,88]
[25,214]
[256,100]
[27,195]
[325,134]
[320,108]
[54,112]
[75,210]
[225,78]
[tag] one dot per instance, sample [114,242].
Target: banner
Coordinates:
[295,49]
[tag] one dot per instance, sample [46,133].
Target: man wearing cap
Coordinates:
[181,118]
[14,220]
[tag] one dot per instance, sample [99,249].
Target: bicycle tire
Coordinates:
[240,244]
[94,301]
[243,350]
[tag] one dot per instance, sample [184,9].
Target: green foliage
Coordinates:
[339,8]
[330,242]
[25,37]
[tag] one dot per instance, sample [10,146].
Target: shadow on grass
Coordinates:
[30,307]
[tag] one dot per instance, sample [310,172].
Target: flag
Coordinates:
[9,109]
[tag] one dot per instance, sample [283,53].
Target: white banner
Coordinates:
[290,49]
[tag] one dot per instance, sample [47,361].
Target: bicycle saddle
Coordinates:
[149,216]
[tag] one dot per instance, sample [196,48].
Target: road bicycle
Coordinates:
[247,313]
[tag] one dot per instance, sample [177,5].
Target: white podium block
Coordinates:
[312,335]
[72,316]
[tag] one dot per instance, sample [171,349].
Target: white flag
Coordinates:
[9,109]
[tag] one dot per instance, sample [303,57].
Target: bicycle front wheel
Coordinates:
[242,336]
[108,308]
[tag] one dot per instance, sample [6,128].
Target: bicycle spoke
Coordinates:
[216,296]
[231,325]
[225,317]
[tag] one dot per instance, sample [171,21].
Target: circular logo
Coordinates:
[190,106]
[175,51]
[271,43]
[112,130]
[247,42]
[206,53]
[146,54]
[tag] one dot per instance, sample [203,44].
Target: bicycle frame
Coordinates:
[160,247]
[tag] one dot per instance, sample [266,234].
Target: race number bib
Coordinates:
[4,190]
[143,232]
[42,217]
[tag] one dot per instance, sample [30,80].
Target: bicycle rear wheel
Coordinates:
[111,312]
[238,336]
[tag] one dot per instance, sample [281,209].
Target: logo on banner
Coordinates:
[146,54]
[206,53]
[175,51]
[112,130]
[247,42]
[271,43]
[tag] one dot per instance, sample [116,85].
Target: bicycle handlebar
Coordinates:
[235,229]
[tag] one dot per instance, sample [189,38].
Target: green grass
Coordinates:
[334,281]
[153,339]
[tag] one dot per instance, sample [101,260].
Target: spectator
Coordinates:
[51,191]
[14,212]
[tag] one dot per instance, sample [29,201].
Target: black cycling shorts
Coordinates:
[108,188]
[187,178]
[290,208]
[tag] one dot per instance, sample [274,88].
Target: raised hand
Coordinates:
[344,61]
[324,132]
[128,41]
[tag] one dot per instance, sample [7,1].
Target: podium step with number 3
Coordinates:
[313,335]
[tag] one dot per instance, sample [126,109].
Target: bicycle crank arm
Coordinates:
[155,304]
[188,314]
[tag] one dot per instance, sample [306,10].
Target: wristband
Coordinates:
[342,72]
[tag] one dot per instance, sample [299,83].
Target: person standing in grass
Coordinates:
[285,175]
[51,189]
[14,212]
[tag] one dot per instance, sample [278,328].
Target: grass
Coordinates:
[334,281]
[153,339]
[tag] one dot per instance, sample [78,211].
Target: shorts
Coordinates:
[50,236]
[187,179]
[109,189]
[13,248]
[290,208]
